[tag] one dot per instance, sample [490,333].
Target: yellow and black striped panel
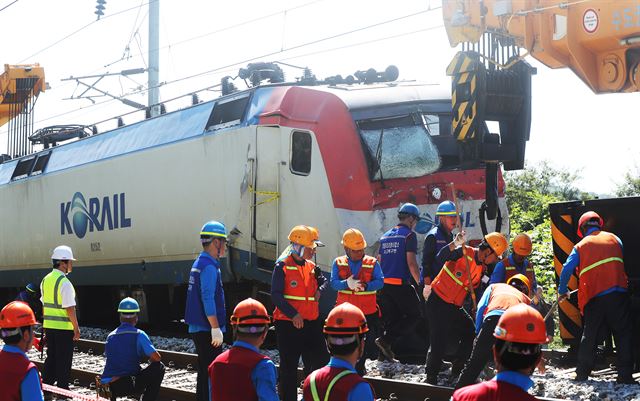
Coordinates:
[463,70]
[562,232]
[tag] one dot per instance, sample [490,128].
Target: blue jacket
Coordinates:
[499,273]
[124,349]
[432,262]
[394,245]
[205,295]
[375,284]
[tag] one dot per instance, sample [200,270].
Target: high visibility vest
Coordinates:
[365,300]
[452,283]
[230,375]
[331,384]
[510,271]
[503,296]
[53,314]
[300,286]
[393,255]
[601,266]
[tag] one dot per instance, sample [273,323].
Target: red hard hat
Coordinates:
[521,324]
[345,319]
[16,314]
[250,313]
[585,218]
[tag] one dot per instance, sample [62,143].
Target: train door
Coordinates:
[266,196]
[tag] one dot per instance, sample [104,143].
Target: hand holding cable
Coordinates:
[216,337]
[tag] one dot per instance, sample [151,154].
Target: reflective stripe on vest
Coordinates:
[314,389]
[54,315]
[599,263]
[460,283]
[295,298]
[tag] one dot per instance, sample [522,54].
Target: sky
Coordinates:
[207,40]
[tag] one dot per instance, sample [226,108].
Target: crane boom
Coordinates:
[598,40]
[18,85]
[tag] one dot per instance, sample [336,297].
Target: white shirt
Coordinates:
[67,291]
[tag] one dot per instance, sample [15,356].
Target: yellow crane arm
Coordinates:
[599,40]
[19,84]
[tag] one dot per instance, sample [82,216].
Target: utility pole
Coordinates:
[154,57]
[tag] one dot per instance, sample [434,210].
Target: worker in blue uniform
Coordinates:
[436,239]
[398,298]
[31,297]
[126,346]
[205,310]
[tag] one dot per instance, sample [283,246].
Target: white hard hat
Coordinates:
[62,252]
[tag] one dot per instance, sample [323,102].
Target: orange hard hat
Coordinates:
[497,242]
[588,216]
[520,278]
[302,235]
[316,235]
[522,244]
[250,312]
[345,319]
[16,314]
[353,239]
[521,324]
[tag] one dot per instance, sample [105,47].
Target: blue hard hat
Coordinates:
[31,287]
[446,208]
[128,305]
[410,208]
[214,229]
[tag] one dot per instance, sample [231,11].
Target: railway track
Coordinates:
[180,368]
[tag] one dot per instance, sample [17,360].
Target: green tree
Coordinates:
[630,186]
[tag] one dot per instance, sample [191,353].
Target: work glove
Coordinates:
[426,291]
[353,284]
[460,239]
[216,337]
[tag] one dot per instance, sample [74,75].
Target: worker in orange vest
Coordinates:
[516,263]
[598,262]
[357,277]
[447,318]
[295,291]
[344,330]
[19,377]
[517,351]
[497,298]
[242,372]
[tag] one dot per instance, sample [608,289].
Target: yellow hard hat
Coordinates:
[302,235]
[497,242]
[514,280]
[522,244]
[316,235]
[353,239]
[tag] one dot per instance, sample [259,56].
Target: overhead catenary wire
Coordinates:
[270,54]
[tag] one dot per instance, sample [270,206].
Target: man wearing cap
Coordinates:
[31,297]
[295,292]
[437,238]
[125,347]
[357,277]
[497,298]
[517,351]
[205,308]
[344,331]
[59,318]
[19,378]
[398,298]
[242,372]
[448,320]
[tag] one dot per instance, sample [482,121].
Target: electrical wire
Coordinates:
[242,62]
[8,5]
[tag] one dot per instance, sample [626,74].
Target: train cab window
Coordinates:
[228,112]
[23,168]
[300,163]
[432,123]
[399,147]
[41,163]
